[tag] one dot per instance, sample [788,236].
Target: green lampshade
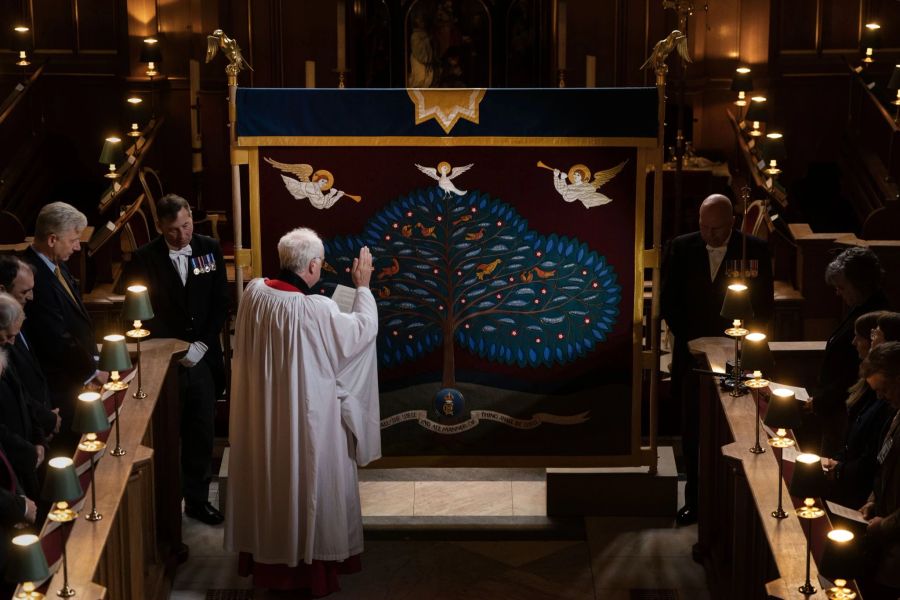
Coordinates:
[871,37]
[61,482]
[841,557]
[137,304]
[773,147]
[741,81]
[114,354]
[894,82]
[26,561]
[757,111]
[737,303]
[808,480]
[150,51]
[112,153]
[90,416]
[755,353]
[783,412]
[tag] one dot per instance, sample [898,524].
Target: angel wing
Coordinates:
[457,170]
[294,187]
[212,46]
[431,172]
[682,46]
[602,177]
[302,171]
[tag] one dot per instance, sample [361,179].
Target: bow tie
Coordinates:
[186,251]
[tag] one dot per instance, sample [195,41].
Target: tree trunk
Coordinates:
[448,379]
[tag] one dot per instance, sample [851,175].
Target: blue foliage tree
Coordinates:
[467,271]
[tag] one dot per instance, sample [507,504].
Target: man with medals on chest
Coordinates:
[185,275]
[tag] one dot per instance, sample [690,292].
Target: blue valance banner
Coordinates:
[555,112]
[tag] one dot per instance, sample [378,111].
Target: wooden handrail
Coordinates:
[17,94]
[129,170]
[752,167]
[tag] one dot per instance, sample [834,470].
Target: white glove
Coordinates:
[194,354]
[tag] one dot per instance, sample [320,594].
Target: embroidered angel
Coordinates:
[582,187]
[444,174]
[317,187]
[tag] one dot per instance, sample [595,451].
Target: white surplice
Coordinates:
[304,413]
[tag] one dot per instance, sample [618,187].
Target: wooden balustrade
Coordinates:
[748,553]
[131,552]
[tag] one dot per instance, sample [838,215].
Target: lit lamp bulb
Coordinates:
[774,139]
[23,61]
[743,85]
[840,542]
[135,103]
[150,55]
[872,30]
[27,564]
[115,383]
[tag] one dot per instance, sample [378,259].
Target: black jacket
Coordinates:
[192,312]
[691,303]
[60,333]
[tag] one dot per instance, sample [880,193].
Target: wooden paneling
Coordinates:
[796,24]
[840,24]
[54,25]
[97,25]
[592,29]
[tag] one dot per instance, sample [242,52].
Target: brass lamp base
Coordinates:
[62,515]
[32,595]
[841,593]
[66,591]
[755,384]
[115,386]
[772,171]
[93,515]
[140,394]
[91,445]
[118,451]
[779,514]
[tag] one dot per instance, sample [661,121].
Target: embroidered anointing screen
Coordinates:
[507,231]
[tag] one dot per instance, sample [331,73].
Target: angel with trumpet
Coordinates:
[315,186]
[582,187]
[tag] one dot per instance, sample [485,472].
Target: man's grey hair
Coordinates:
[10,311]
[860,267]
[58,218]
[299,247]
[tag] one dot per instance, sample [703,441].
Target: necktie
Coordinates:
[180,259]
[65,284]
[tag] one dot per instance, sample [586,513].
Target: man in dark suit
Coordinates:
[185,274]
[694,283]
[58,327]
[17,280]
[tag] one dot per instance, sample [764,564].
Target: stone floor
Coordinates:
[605,558]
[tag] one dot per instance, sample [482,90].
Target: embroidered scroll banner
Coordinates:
[507,268]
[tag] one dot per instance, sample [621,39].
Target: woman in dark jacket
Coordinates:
[852,469]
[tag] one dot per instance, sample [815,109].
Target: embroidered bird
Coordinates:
[384,292]
[443,174]
[476,235]
[426,231]
[391,270]
[542,273]
[674,41]
[486,269]
[526,276]
[463,219]
[328,268]
[406,230]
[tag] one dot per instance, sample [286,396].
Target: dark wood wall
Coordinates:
[798,50]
